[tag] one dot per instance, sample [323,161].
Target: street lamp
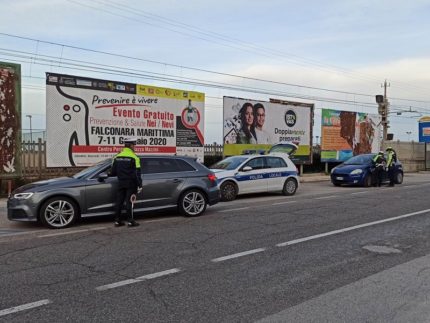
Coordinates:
[31,130]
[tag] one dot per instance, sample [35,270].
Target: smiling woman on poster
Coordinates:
[247,134]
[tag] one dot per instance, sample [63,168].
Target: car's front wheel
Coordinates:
[192,203]
[367,182]
[290,187]
[59,212]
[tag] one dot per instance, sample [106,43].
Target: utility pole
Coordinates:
[383,109]
[387,109]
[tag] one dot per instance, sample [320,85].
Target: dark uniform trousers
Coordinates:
[124,193]
[126,166]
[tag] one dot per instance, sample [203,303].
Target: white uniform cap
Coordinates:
[130,140]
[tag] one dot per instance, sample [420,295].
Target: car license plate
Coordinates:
[339,178]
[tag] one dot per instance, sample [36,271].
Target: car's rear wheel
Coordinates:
[399,178]
[290,187]
[228,191]
[367,182]
[192,203]
[59,212]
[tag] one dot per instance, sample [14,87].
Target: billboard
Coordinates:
[254,126]
[87,120]
[10,120]
[424,129]
[346,133]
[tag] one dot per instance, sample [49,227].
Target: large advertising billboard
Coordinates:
[345,134]
[254,126]
[10,120]
[424,129]
[88,119]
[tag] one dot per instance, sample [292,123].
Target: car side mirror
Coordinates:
[102,177]
[246,168]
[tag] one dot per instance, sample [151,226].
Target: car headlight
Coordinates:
[22,196]
[356,172]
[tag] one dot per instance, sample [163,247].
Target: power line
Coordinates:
[162,77]
[200,70]
[185,67]
[248,46]
[198,82]
[218,85]
[245,45]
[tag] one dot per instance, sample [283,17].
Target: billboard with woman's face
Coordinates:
[10,120]
[252,126]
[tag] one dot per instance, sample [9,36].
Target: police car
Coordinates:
[243,174]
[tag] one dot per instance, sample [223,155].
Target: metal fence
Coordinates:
[33,160]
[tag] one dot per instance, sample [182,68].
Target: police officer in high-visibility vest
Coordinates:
[379,163]
[391,160]
[126,166]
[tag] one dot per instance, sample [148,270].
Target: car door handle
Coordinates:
[176,180]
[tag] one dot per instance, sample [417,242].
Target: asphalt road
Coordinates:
[327,254]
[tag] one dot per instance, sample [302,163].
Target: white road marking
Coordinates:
[240,254]
[158,220]
[237,209]
[24,307]
[70,232]
[138,279]
[280,203]
[17,233]
[321,235]
[362,192]
[326,197]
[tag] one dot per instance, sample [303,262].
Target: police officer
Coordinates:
[126,166]
[379,162]
[391,160]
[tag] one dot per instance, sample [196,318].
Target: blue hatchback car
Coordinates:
[358,171]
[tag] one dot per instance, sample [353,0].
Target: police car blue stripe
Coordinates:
[253,177]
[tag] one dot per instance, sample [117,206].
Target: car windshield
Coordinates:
[289,149]
[359,160]
[88,171]
[229,163]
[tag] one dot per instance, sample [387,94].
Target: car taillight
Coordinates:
[212,178]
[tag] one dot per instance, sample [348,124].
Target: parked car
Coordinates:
[168,182]
[358,171]
[244,174]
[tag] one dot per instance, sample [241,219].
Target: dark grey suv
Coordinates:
[168,181]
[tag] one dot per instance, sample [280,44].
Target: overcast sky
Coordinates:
[350,46]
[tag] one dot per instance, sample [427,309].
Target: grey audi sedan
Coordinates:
[168,182]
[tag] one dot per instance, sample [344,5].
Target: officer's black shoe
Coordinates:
[133,224]
[118,223]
